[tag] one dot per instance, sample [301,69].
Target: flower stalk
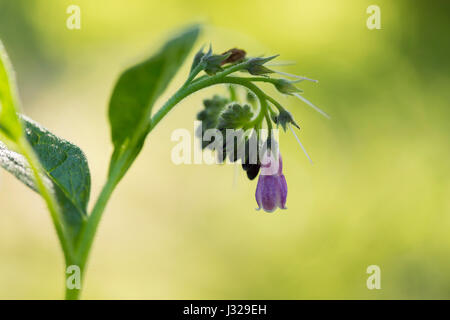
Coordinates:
[89,229]
[66,192]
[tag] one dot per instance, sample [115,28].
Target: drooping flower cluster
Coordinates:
[232,126]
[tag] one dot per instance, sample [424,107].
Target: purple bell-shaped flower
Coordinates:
[271,191]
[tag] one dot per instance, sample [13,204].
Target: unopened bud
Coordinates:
[285,86]
[284,118]
[256,66]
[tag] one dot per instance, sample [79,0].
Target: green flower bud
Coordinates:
[197,59]
[213,62]
[285,86]
[256,66]
[285,117]
[258,70]
[210,115]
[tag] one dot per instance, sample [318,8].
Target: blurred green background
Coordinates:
[378,192]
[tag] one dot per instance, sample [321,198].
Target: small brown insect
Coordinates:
[235,55]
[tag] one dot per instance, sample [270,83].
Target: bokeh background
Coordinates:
[378,193]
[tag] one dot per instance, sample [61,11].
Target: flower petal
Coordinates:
[258,193]
[280,165]
[283,191]
[269,193]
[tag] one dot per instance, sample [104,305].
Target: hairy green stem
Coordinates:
[194,72]
[233,93]
[89,229]
[261,79]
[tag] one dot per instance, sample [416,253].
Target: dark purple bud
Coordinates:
[252,170]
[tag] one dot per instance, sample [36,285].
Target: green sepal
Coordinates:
[284,118]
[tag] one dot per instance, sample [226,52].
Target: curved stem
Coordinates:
[261,79]
[194,73]
[271,110]
[227,71]
[275,103]
[87,235]
[198,85]
[268,121]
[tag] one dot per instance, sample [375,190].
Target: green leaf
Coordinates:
[9,103]
[235,116]
[66,172]
[137,90]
